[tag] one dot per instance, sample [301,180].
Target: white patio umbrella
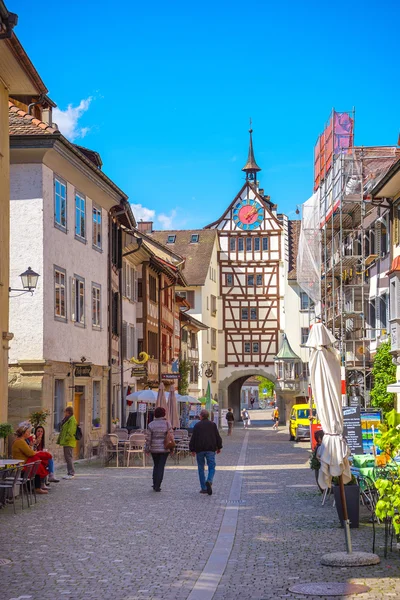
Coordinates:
[186,398]
[145,396]
[326,387]
[172,413]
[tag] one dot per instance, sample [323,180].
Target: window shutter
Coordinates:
[124,341]
[119,249]
[396,224]
[132,296]
[124,266]
[73,298]
[378,245]
[135,285]
[132,350]
[128,282]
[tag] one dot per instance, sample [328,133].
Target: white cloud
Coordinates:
[166,220]
[67,120]
[142,213]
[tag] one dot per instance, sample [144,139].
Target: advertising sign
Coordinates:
[370,420]
[314,427]
[83,370]
[139,372]
[224,422]
[336,138]
[141,407]
[352,429]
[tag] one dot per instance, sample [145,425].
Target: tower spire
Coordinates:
[251,168]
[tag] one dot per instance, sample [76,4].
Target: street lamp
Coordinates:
[29,281]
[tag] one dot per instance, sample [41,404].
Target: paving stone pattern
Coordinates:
[107,535]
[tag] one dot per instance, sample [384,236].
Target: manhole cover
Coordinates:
[5,561]
[328,589]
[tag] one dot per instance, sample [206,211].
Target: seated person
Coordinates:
[22,451]
[39,446]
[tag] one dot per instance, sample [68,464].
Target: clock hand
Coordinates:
[251,213]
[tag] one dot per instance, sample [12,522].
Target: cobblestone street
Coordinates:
[107,535]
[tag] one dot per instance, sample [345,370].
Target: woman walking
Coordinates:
[245,418]
[156,442]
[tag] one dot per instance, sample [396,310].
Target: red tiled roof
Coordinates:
[21,123]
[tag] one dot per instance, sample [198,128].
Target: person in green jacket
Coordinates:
[67,440]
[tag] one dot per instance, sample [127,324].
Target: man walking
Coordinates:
[204,443]
[230,420]
[67,439]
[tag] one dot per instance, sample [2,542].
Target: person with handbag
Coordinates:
[204,443]
[159,442]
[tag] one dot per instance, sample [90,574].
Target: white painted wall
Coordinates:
[37,243]
[26,250]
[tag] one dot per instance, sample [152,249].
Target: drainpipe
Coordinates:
[40,101]
[109,269]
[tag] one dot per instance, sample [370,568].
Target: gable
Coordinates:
[238,218]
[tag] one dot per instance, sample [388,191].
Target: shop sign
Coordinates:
[139,372]
[142,407]
[83,370]
[169,376]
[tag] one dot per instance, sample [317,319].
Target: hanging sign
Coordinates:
[83,370]
[139,372]
[142,407]
[169,376]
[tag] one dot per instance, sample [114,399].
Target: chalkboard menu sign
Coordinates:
[352,428]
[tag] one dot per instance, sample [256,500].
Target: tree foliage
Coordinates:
[265,384]
[184,370]
[383,373]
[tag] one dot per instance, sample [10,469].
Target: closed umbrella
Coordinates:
[172,414]
[161,398]
[326,387]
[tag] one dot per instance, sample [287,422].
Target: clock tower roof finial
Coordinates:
[251,168]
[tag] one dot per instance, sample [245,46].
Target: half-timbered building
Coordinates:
[251,273]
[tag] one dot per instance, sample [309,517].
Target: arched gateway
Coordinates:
[229,388]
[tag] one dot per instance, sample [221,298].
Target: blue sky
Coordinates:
[164,90]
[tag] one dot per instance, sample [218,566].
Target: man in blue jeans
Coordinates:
[204,443]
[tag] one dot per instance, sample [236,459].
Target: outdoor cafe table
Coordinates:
[364,465]
[10,462]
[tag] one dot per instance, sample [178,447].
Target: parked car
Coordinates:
[299,424]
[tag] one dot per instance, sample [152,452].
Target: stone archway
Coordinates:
[229,388]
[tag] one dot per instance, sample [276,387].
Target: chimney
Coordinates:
[47,115]
[145,226]
[261,192]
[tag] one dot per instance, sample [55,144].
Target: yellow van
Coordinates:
[299,424]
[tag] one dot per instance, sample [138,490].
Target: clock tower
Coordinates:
[251,278]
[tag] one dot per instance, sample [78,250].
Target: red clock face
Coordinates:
[248,214]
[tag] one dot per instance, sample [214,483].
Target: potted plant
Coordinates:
[39,418]
[96,422]
[352,493]
[388,485]
[5,430]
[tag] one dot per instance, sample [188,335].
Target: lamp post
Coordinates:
[29,281]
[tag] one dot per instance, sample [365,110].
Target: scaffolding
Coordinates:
[354,241]
[344,239]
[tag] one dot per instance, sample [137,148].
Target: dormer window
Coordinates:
[194,238]
[171,239]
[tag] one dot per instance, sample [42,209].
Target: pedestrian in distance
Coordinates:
[159,442]
[230,420]
[275,418]
[245,418]
[67,440]
[252,400]
[204,444]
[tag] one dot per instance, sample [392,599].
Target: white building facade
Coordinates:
[60,202]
